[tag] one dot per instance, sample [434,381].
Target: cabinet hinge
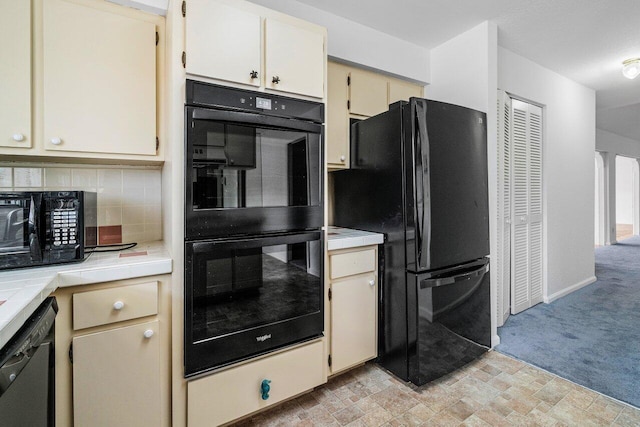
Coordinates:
[329,360]
[184,59]
[184,8]
[348,105]
[348,80]
[71,352]
[329,294]
[157,144]
[157,38]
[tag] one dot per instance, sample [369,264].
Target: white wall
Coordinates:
[463,69]
[624,190]
[355,43]
[568,149]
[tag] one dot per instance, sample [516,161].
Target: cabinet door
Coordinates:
[294,59]
[99,81]
[223,42]
[15,73]
[337,115]
[367,93]
[402,91]
[116,377]
[353,321]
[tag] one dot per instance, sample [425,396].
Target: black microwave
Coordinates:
[46,227]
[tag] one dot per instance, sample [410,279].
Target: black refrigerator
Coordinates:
[419,176]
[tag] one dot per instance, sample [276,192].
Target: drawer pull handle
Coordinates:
[118,305]
[264,389]
[148,333]
[343,158]
[372,282]
[18,137]
[56,141]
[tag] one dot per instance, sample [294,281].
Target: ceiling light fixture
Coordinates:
[631,68]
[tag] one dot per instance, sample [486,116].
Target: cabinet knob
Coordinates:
[343,158]
[254,74]
[372,282]
[18,137]
[148,333]
[265,388]
[275,80]
[56,141]
[118,305]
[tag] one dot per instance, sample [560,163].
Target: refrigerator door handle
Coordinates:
[441,281]
[423,185]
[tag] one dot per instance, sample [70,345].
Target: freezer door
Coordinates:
[449,320]
[446,200]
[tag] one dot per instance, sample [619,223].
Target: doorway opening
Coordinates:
[626,197]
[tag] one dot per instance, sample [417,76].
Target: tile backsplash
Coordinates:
[129,198]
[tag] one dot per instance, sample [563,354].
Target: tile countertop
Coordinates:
[22,290]
[345,238]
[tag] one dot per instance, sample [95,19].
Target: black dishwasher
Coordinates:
[27,372]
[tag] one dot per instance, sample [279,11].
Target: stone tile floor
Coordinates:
[495,390]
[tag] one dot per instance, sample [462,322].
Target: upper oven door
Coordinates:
[248,173]
[20,229]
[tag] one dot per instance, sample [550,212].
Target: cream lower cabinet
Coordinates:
[116,376]
[353,305]
[236,392]
[112,354]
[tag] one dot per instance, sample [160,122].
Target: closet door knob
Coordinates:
[18,137]
[56,141]
[275,80]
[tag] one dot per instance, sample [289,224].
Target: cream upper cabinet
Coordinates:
[99,81]
[353,306]
[116,376]
[243,43]
[337,128]
[357,94]
[223,42]
[15,74]
[367,93]
[294,58]
[402,91]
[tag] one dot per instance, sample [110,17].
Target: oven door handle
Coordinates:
[254,242]
[254,119]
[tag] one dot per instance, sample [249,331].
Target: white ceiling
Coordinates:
[584,40]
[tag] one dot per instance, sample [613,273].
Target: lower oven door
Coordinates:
[249,296]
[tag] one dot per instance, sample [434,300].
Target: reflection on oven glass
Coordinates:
[247,167]
[246,288]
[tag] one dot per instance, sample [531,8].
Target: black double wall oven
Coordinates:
[253,220]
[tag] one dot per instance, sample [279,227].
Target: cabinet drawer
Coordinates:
[111,305]
[233,393]
[350,263]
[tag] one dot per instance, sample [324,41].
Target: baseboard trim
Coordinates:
[550,298]
[495,340]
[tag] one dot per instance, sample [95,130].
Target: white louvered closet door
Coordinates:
[526,201]
[503,259]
